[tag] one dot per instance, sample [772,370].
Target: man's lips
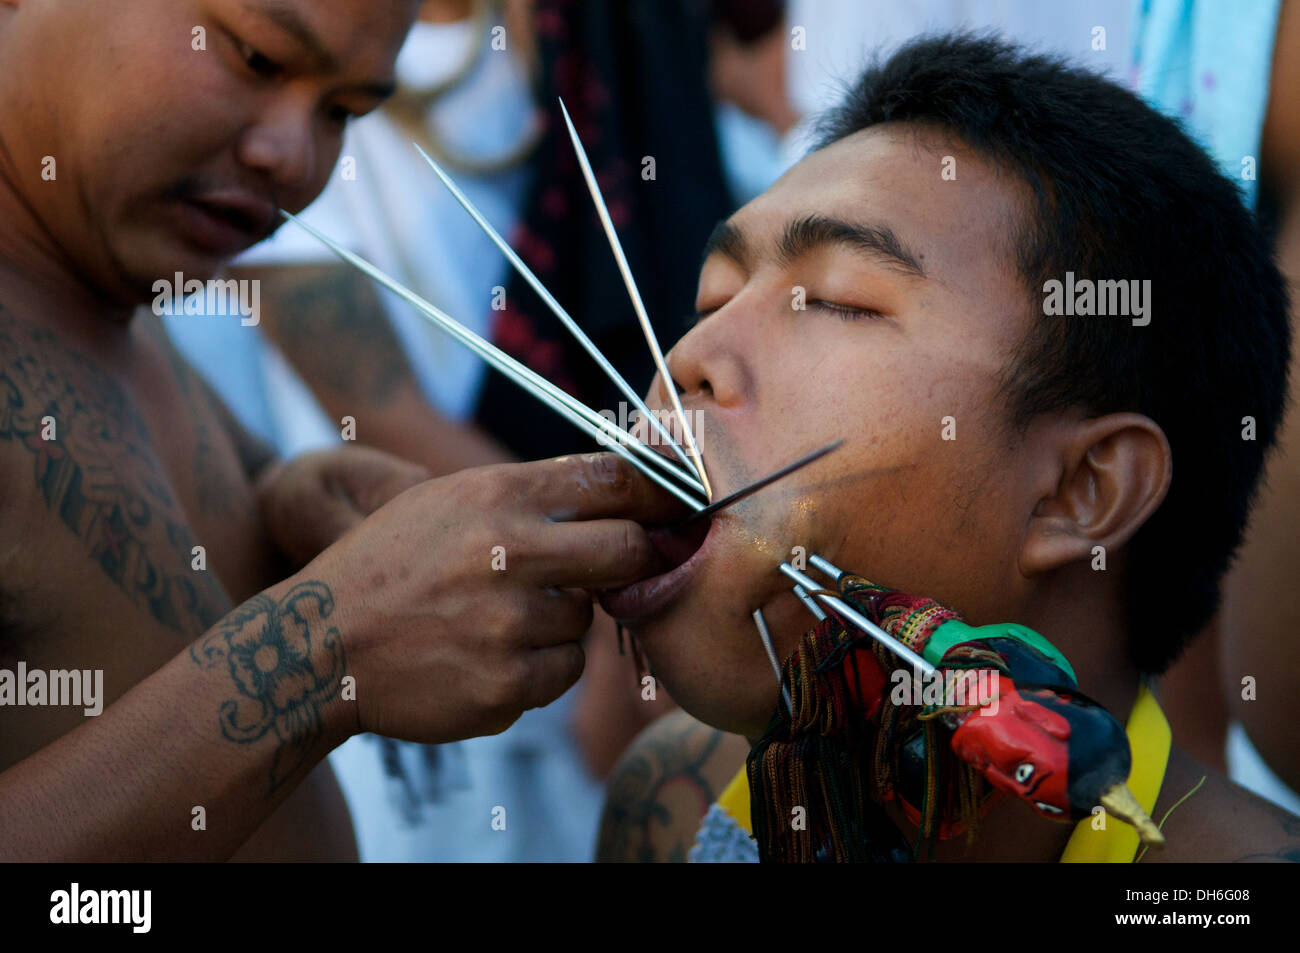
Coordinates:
[226,223]
[684,550]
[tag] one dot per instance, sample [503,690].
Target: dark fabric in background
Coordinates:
[633,74]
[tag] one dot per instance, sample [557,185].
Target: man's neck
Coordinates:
[37,276]
[1092,631]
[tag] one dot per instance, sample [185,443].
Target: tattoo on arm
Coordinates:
[331,325]
[95,468]
[668,755]
[286,662]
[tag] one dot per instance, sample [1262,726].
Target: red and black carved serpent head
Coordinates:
[1057,750]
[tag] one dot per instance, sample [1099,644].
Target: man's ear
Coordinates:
[1113,472]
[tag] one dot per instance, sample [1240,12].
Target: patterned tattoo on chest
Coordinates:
[286,661]
[95,468]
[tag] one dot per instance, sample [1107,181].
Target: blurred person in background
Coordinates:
[1231,75]
[773,82]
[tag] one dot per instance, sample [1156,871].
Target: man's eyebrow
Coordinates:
[814,231]
[288,20]
[726,239]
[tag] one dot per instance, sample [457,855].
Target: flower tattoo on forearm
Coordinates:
[287,662]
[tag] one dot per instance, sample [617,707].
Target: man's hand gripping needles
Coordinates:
[444,646]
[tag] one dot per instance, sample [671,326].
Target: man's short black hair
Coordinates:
[1120,192]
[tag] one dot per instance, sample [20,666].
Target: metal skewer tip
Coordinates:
[637,305]
[757,485]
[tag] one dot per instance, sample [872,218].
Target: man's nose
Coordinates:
[281,145]
[707,365]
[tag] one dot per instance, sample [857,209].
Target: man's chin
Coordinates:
[738,697]
[161,246]
[181,258]
[142,278]
[748,718]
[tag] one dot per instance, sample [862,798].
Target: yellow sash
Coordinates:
[1149,740]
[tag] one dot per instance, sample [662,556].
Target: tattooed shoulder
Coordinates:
[330,323]
[94,468]
[663,786]
[1283,843]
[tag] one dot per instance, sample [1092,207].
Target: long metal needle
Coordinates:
[637,304]
[826,566]
[579,335]
[757,485]
[858,619]
[573,410]
[809,603]
[771,656]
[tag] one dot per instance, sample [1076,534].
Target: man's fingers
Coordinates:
[554,670]
[555,615]
[334,517]
[372,496]
[372,478]
[595,554]
[593,486]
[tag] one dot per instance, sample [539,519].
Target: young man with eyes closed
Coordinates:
[924,296]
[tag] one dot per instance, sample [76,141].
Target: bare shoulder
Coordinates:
[1222,822]
[662,787]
